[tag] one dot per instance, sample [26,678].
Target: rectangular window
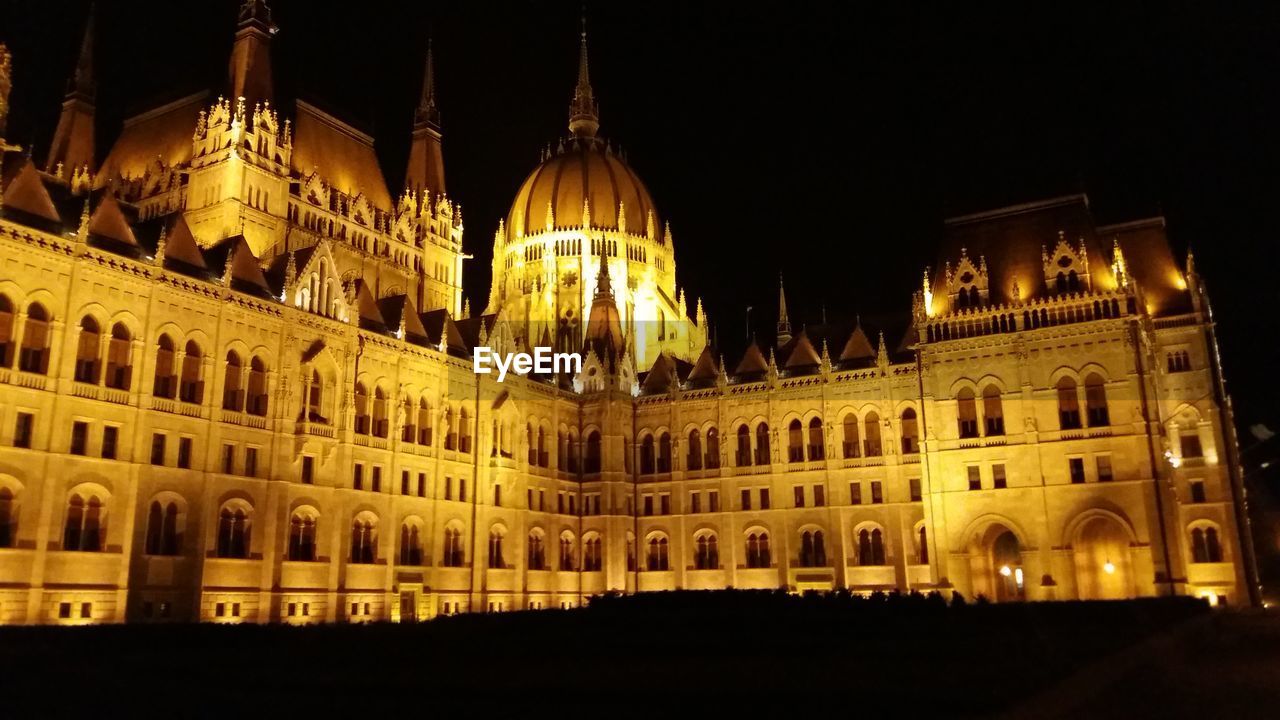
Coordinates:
[86,610]
[798,493]
[998,479]
[404,482]
[220,610]
[422,484]
[855,493]
[293,609]
[229,459]
[23,429]
[1191,447]
[110,441]
[1076,466]
[1104,469]
[308,469]
[306,609]
[79,437]
[184,452]
[664,502]
[542,499]
[877,492]
[448,488]
[648,505]
[251,462]
[1197,491]
[819,496]
[914,484]
[695,502]
[560,503]
[497,495]
[157,449]
[377,478]
[357,476]
[975,477]
[713,501]
[764,498]
[64,610]
[235,609]
[746,499]
[573,505]
[528,498]
[462,489]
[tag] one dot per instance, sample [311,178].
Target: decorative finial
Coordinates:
[427,113]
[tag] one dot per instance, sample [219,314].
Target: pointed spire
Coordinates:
[72,146]
[466,308]
[164,238]
[882,352]
[784,324]
[427,114]
[249,71]
[586,213]
[584,113]
[604,287]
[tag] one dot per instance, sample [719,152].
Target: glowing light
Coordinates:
[1109,568]
[1211,596]
[1176,462]
[1005,571]
[1017,576]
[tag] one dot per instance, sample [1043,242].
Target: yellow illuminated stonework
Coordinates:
[236,386]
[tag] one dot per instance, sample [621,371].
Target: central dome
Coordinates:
[584,170]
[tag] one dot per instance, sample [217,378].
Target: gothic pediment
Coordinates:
[1066,268]
[968,283]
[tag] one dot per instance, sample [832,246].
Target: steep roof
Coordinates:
[342,155]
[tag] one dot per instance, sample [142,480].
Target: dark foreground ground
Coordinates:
[669,653]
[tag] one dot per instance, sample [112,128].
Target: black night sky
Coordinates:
[826,141]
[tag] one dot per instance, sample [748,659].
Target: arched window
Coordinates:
[409,433]
[496,559]
[33,357]
[537,552]
[562,450]
[967,413]
[566,552]
[762,444]
[232,393]
[410,544]
[381,423]
[743,454]
[872,427]
[1095,400]
[8,518]
[191,384]
[694,459]
[817,446]
[593,452]
[364,540]
[1205,545]
[256,402]
[162,529]
[453,556]
[120,358]
[592,555]
[758,549]
[795,442]
[1068,404]
[664,453]
[544,457]
[646,455]
[813,550]
[992,411]
[450,431]
[870,546]
[657,558]
[424,422]
[6,332]
[87,351]
[910,432]
[706,555]
[922,546]
[233,533]
[464,431]
[851,445]
[362,409]
[302,537]
[712,459]
[85,526]
[573,450]
[166,382]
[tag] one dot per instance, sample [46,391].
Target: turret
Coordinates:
[426,157]
[249,71]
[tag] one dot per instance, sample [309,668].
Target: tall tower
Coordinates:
[72,148]
[784,323]
[249,72]
[426,159]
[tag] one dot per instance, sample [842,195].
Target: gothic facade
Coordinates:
[236,386]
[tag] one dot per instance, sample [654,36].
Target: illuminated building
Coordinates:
[235,385]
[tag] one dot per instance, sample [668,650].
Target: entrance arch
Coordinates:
[1103,566]
[996,567]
